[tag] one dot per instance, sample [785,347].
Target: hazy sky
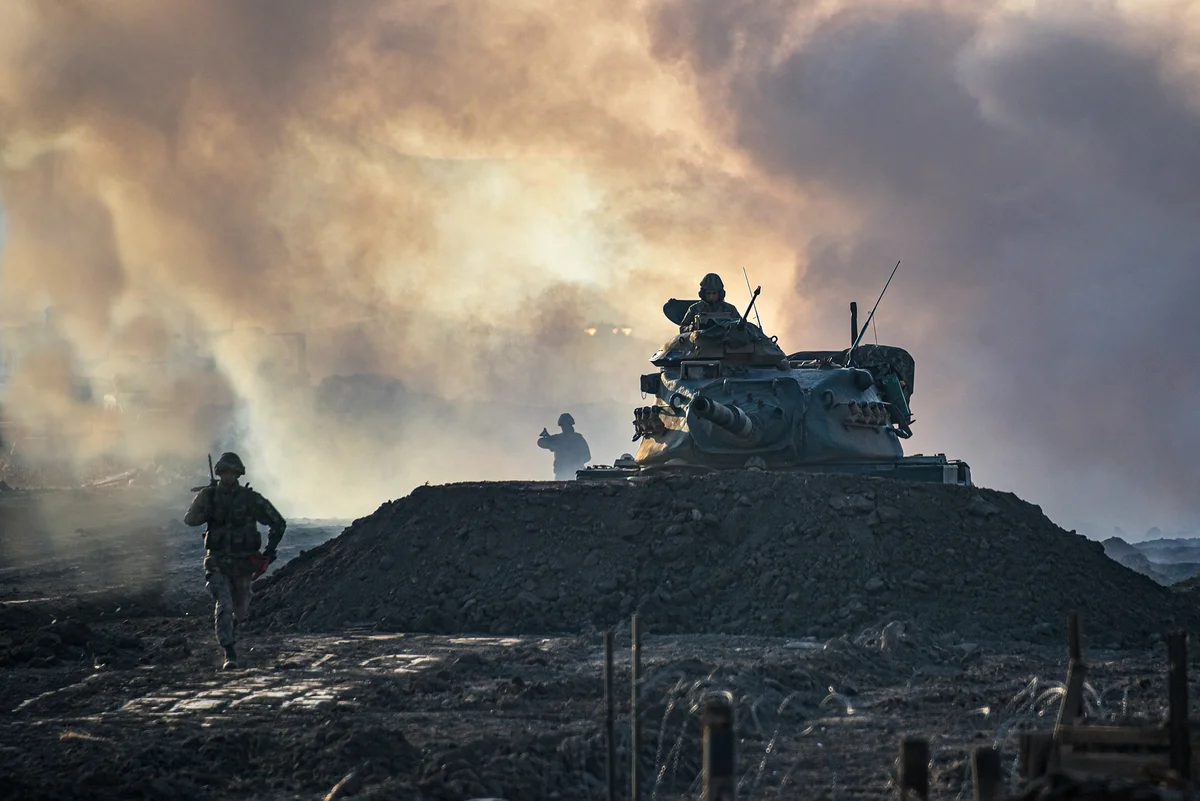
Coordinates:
[450,192]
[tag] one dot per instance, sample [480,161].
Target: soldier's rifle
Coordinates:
[212,477]
[863,331]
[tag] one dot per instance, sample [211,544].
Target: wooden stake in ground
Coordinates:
[609,716]
[717,718]
[1177,689]
[914,768]
[986,773]
[1071,708]
[635,721]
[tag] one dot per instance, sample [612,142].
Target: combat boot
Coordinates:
[230,658]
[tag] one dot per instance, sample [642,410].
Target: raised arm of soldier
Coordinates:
[201,509]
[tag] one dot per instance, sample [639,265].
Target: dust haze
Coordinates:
[444,199]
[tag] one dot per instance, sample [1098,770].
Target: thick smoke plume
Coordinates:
[443,196]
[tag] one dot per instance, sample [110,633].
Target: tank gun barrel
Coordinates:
[730,418]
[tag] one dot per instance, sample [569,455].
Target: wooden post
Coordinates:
[914,768]
[1072,707]
[718,765]
[609,716]
[635,722]
[986,773]
[1179,721]
[1034,755]
[1074,647]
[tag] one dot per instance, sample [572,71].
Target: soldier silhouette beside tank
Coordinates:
[570,449]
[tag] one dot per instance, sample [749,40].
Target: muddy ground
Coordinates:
[111,688]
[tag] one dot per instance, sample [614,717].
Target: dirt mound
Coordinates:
[753,553]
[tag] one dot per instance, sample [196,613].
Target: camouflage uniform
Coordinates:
[231,512]
[571,452]
[711,282]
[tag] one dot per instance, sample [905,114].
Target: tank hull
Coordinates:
[926,469]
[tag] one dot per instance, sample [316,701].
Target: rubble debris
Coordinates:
[745,553]
[98,474]
[68,641]
[348,786]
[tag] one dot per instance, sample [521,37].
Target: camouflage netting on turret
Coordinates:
[754,553]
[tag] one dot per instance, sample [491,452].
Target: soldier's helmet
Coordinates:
[712,282]
[230,461]
[565,419]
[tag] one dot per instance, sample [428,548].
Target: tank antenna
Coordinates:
[746,275]
[857,339]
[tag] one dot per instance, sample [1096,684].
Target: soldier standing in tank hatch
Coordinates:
[570,449]
[232,560]
[712,301]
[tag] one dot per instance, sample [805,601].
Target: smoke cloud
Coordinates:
[444,197]
[1036,171]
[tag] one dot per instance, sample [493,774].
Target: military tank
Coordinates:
[726,396]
